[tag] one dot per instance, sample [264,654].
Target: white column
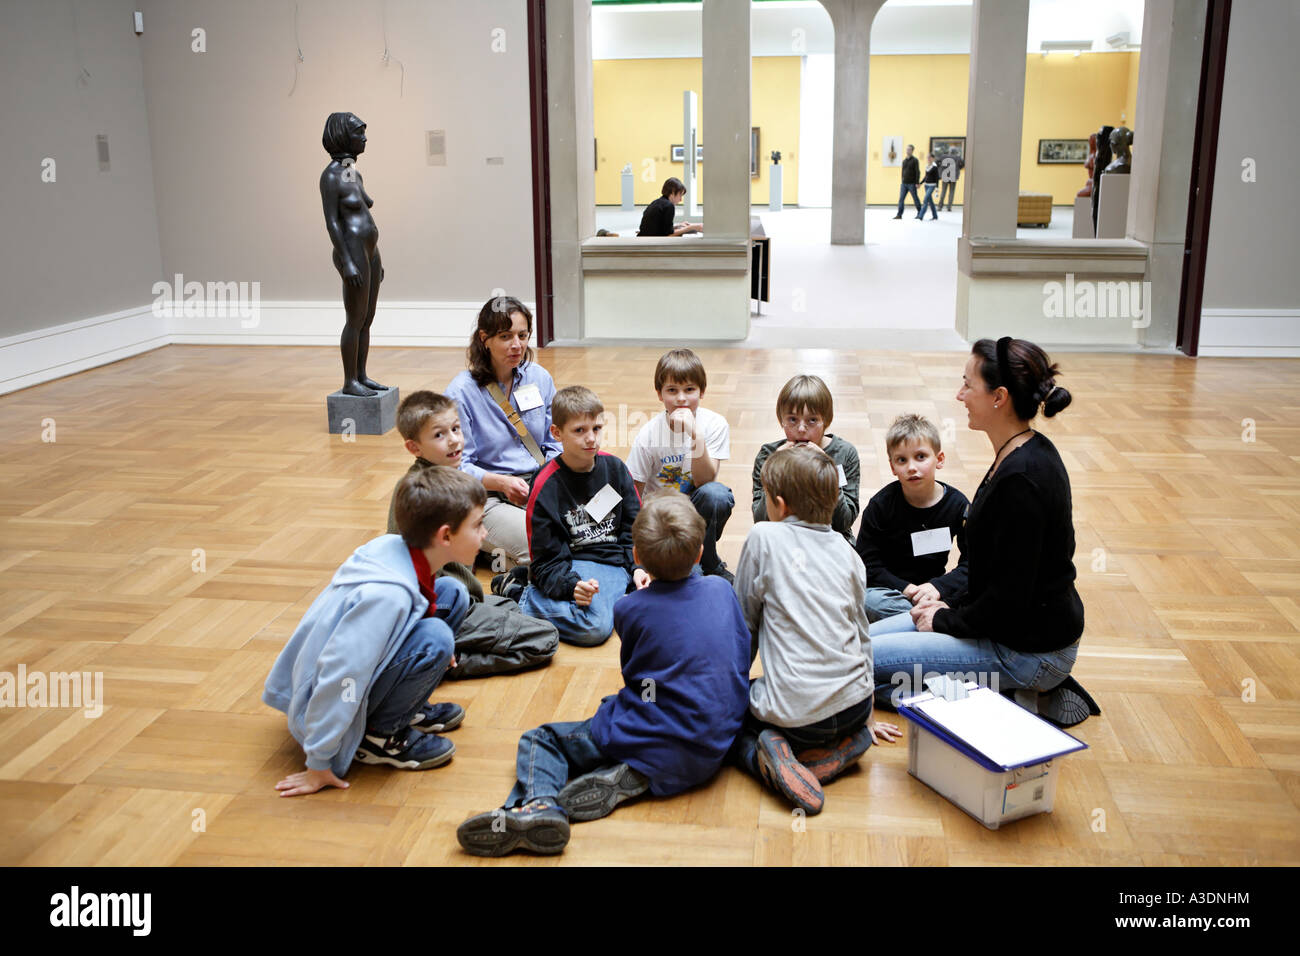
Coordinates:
[726,118]
[994,117]
[852,22]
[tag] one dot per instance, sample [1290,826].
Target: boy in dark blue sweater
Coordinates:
[579,521]
[685,659]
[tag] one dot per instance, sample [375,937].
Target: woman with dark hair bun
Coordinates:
[504,399]
[1018,624]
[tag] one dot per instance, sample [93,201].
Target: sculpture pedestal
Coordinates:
[362,414]
[1112,212]
[1083,217]
[774,197]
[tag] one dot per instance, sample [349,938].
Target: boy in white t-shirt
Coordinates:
[683,448]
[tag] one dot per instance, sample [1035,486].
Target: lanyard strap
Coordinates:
[515,419]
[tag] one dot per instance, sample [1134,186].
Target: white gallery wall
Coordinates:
[215,143]
[1251,302]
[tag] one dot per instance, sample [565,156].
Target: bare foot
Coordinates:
[356,388]
[369,382]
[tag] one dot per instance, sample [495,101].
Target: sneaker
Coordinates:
[539,827]
[722,572]
[436,718]
[1067,704]
[596,794]
[786,775]
[511,584]
[411,750]
[827,763]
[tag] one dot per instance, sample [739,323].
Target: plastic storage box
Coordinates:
[990,792]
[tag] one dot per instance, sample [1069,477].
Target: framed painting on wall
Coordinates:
[1062,151]
[943,146]
[891,151]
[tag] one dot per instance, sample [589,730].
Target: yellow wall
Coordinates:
[639,115]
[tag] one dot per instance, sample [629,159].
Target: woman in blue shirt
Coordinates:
[502,372]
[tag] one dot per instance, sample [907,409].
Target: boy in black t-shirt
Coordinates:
[909,525]
[579,520]
[657,220]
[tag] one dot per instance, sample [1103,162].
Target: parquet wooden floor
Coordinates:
[191,505]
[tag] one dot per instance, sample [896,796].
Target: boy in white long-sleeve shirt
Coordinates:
[801,586]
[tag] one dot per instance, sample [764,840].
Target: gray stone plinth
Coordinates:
[362,414]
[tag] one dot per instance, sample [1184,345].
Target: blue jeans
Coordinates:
[549,756]
[928,203]
[714,501]
[404,686]
[903,190]
[824,733]
[584,626]
[904,657]
[884,602]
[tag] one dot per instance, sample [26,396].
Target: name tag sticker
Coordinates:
[930,542]
[603,503]
[528,397]
[844,479]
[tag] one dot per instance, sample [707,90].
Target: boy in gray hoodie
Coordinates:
[801,587]
[356,675]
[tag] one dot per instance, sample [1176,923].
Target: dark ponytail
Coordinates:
[1025,371]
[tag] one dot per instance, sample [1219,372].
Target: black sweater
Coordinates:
[932,174]
[560,530]
[911,170]
[1019,543]
[657,220]
[885,541]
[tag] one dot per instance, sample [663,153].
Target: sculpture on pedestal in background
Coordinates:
[1121,139]
[1103,159]
[356,245]
[1090,165]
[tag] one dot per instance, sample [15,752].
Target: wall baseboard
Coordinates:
[31,358]
[1250,333]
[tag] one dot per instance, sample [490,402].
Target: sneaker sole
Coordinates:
[1064,707]
[477,836]
[828,763]
[440,728]
[366,757]
[593,796]
[777,764]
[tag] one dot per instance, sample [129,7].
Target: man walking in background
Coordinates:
[911,176]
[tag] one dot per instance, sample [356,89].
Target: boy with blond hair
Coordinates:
[683,447]
[909,526]
[579,520]
[805,409]
[685,663]
[801,587]
[495,637]
[356,675]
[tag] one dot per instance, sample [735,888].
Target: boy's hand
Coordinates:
[309,781]
[682,420]
[642,578]
[883,733]
[922,593]
[584,591]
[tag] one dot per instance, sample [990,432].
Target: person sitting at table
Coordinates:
[657,220]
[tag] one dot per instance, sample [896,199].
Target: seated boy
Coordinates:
[495,637]
[580,515]
[685,662]
[356,675]
[683,447]
[909,525]
[801,586]
[805,408]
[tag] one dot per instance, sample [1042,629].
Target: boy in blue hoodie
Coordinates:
[685,661]
[356,675]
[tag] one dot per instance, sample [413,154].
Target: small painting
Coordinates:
[1062,151]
